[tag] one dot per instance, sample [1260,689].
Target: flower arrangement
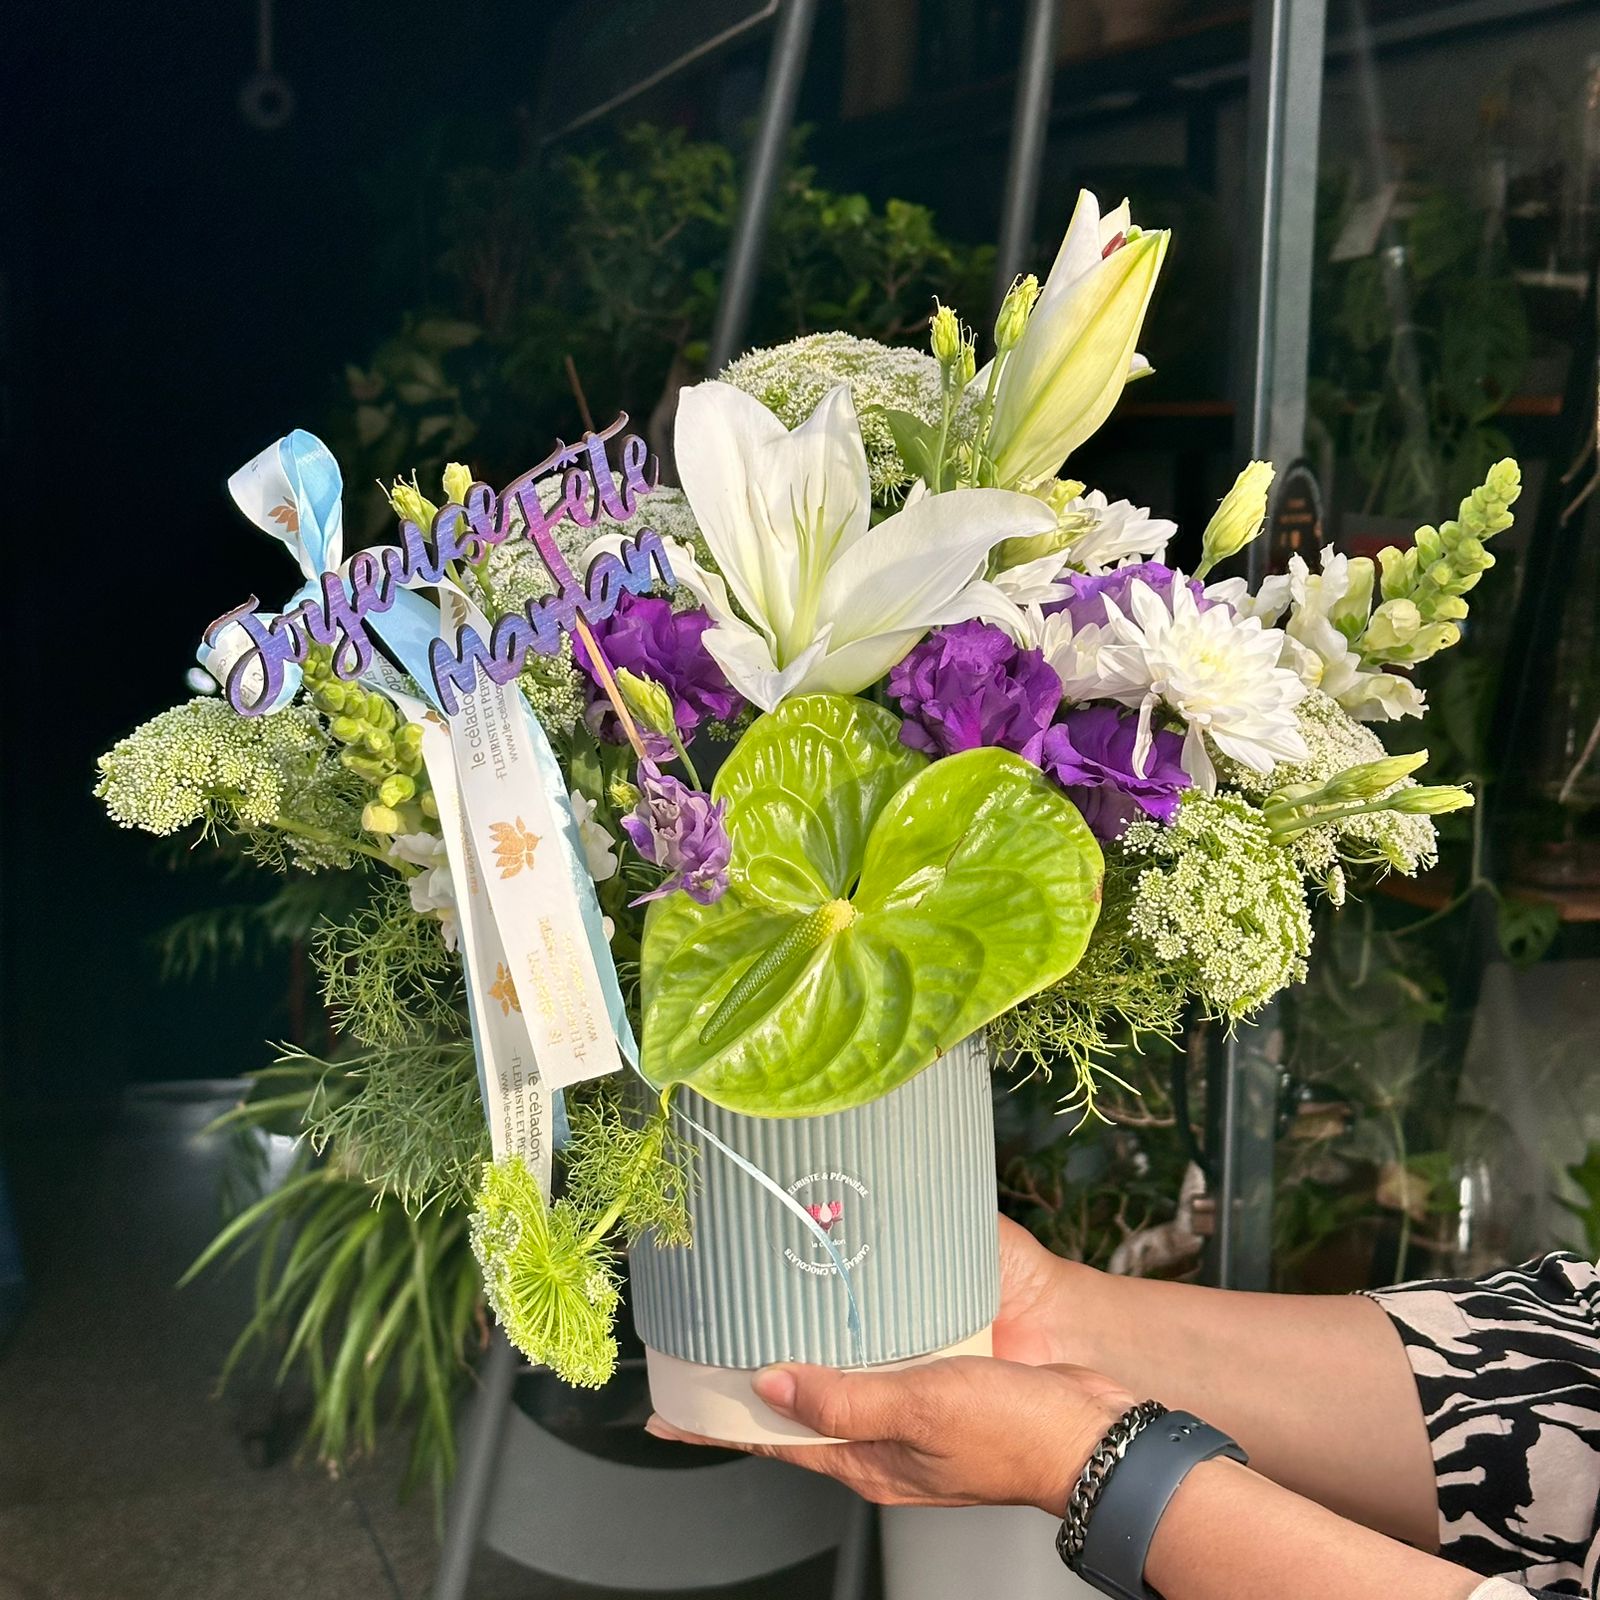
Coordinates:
[903,737]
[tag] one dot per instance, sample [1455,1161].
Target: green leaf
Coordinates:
[917,442]
[882,909]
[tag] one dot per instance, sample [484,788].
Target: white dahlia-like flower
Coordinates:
[1216,672]
[1121,532]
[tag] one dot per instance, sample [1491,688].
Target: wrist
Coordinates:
[1083,1421]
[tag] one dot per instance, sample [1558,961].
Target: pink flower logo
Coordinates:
[826,1214]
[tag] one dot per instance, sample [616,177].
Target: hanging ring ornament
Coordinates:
[266,101]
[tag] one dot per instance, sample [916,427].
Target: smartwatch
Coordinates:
[1142,1480]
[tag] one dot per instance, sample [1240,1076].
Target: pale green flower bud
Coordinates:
[1238,519]
[1433,638]
[379,818]
[380,713]
[410,736]
[1371,778]
[623,795]
[967,367]
[377,742]
[368,767]
[647,701]
[330,697]
[945,337]
[410,502]
[1394,625]
[396,790]
[1349,616]
[429,805]
[457,480]
[1399,568]
[1015,310]
[345,729]
[1429,800]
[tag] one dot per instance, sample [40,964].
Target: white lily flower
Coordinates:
[1070,366]
[1316,648]
[832,601]
[1217,672]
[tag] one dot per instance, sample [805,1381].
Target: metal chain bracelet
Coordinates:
[1096,1470]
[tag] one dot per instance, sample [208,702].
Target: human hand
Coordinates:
[969,1430]
[1034,1324]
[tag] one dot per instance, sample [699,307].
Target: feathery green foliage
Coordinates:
[386,973]
[406,1119]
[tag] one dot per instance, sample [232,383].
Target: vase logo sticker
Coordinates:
[840,1204]
[504,991]
[514,846]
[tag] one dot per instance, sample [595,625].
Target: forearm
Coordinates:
[1229,1534]
[1317,1389]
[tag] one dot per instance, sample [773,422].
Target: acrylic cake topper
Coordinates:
[292,491]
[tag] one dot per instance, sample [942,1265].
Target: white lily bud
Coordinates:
[1237,520]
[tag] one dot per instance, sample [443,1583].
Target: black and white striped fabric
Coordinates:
[1508,1369]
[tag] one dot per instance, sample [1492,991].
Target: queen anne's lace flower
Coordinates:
[1220,902]
[790,380]
[203,762]
[1336,742]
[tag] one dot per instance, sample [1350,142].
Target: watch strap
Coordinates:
[1136,1494]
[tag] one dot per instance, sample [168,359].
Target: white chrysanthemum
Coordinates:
[1320,652]
[1214,671]
[1267,604]
[792,379]
[1121,532]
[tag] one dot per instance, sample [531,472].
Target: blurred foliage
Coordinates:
[1416,347]
[611,258]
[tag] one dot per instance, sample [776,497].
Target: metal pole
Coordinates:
[1029,126]
[1287,47]
[469,1499]
[784,72]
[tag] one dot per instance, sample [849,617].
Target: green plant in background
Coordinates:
[1586,1174]
[603,265]
[1416,347]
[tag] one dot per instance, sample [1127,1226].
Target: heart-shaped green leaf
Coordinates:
[882,908]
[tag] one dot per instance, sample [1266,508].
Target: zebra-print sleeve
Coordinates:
[1508,1370]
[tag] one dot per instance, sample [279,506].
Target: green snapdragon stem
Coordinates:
[327,836]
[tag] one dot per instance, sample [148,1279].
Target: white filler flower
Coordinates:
[432,890]
[832,601]
[599,848]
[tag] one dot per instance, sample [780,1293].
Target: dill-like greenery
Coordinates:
[386,974]
[406,1119]
[1117,994]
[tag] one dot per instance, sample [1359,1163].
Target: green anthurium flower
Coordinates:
[882,909]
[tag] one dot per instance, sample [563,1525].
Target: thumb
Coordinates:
[842,1405]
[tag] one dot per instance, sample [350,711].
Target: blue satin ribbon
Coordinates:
[316,495]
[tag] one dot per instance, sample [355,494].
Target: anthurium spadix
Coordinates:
[1077,353]
[815,597]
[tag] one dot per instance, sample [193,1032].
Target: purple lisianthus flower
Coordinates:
[1086,604]
[681,829]
[1090,754]
[645,635]
[971,685]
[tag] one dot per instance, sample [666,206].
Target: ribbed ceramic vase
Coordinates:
[905,1188]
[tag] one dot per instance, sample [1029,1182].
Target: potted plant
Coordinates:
[998,783]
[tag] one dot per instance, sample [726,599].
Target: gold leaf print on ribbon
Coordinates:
[514,845]
[287,515]
[503,990]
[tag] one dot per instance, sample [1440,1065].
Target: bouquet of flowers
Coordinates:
[877,737]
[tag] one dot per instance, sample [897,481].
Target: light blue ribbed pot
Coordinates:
[908,1183]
